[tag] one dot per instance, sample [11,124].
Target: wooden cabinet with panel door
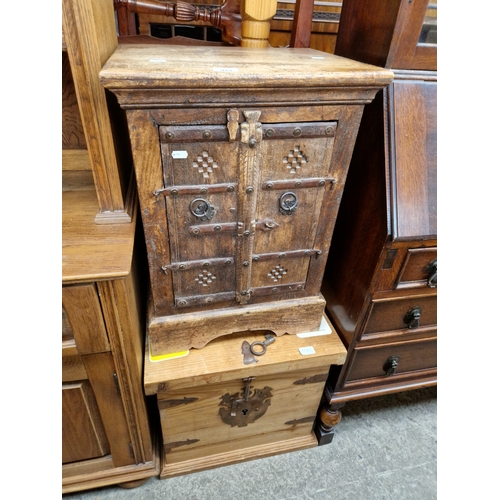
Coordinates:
[381,277]
[106,434]
[240,159]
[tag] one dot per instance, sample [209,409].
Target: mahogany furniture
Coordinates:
[240,158]
[106,434]
[381,278]
[221,405]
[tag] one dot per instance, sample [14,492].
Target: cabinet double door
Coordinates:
[243,203]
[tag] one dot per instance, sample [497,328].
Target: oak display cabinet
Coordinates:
[380,282]
[240,157]
[107,437]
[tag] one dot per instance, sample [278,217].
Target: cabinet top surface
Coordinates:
[158,66]
[91,251]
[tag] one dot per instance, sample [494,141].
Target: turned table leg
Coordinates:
[329,417]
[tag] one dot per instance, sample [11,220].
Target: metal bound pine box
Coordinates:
[221,405]
[240,158]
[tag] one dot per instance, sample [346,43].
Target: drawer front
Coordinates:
[390,360]
[419,268]
[400,313]
[216,418]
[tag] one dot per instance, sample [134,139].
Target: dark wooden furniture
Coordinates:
[297,24]
[221,405]
[381,278]
[240,158]
[106,433]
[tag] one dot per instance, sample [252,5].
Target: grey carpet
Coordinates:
[383,449]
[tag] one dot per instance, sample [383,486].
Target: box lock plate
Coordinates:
[244,408]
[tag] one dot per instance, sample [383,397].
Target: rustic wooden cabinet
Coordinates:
[240,158]
[381,277]
[106,433]
[220,405]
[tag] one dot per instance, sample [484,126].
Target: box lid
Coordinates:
[222,360]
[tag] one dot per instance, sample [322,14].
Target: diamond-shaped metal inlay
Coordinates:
[277,273]
[294,160]
[205,164]
[205,278]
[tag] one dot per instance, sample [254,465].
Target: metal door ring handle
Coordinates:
[201,209]
[288,203]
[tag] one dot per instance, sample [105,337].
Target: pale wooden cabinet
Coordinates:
[240,158]
[106,433]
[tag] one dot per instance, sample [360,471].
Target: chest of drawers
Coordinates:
[381,283]
[217,406]
[240,158]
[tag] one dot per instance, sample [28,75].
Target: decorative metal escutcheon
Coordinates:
[432,280]
[391,364]
[244,408]
[288,203]
[412,317]
[201,209]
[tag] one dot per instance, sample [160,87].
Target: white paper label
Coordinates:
[305,351]
[226,70]
[317,57]
[179,154]
[324,329]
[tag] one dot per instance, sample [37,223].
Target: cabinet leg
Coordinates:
[133,484]
[329,417]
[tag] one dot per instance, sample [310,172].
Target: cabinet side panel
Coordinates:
[361,228]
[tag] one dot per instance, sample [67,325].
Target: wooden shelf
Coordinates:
[90,251]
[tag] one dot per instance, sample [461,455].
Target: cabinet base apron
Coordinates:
[179,333]
[237,456]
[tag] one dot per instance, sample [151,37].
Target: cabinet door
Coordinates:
[243,205]
[83,435]
[201,195]
[93,417]
[294,177]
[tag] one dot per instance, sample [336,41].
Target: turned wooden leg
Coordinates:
[329,417]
